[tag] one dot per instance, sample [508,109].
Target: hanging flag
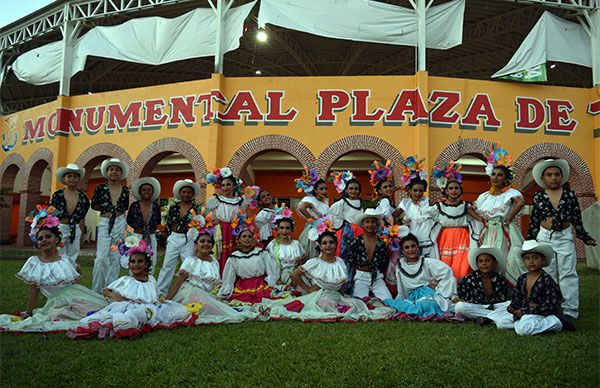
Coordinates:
[533,74]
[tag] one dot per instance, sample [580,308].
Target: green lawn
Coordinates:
[303,354]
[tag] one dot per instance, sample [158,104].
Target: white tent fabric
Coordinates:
[152,40]
[551,39]
[366,21]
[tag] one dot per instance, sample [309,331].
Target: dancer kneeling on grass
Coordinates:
[55,276]
[486,289]
[250,273]
[287,253]
[368,256]
[426,286]
[323,278]
[135,306]
[199,277]
[536,299]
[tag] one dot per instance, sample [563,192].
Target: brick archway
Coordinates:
[244,154]
[352,143]
[98,152]
[8,172]
[155,152]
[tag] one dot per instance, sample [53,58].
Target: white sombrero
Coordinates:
[135,187]
[114,162]
[180,184]
[368,213]
[542,165]
[534,246]
[493,251]
[71,167]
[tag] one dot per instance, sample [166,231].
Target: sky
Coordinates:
[11,10]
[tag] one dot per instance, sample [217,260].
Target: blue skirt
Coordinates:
[419,303]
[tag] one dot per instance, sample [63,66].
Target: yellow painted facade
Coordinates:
[217,142]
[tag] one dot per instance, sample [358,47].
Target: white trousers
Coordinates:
[107,263]
[565,262]
[363,284]
[529,324]
[154,245]
[475,310]
[177,247]
[71,250]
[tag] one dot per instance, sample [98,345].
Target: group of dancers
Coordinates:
[450,260]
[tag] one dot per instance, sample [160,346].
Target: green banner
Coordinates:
[533,74]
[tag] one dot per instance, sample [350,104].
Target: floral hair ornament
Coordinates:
[320,226]
[307,181]
[42,218]
[392,235]
[340,179]
[130,244]
[241,222]
[280,212]
[497,156]
[216,177]
[251,194]
[410,169]
[380,172]
[203,222]
[447,173]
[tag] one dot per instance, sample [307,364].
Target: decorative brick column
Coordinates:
[5,216]
[9,169]
[29,199]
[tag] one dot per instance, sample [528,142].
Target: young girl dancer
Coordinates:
[55,276]
[346,212]
[71,206]
[322,279]
[199,276]
[287,253]
[225,204]
[143,215]
[111,199]
[417,212]
[497,208]
[382,182]
[250,274]
[264,217]
[313,206]
[454,238]
[135,307]
[179,243]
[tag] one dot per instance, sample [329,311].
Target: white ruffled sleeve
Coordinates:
[212,203]
[337,214]
[134,290]
[263,221]
[271,268]
[384,207]
[446,288]
[41,274]
[229,275]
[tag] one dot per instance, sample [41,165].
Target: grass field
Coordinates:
[303,354]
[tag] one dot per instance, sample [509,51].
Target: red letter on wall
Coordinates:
[331,101]
[530,114]
[480,108]
[559,122]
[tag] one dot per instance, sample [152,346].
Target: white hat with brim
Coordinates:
[368,213]
[114,162]
[180,184]
[541,166]
[137,185]
[71,167]
[530,246]
[492,251]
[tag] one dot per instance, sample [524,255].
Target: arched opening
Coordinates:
[475,180]
[10,199]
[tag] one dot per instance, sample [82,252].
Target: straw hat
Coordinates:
[71,167]
[114,162]
[135,187]
[180,184]
[534,246]
[494,252]
[369,213]
[541,166]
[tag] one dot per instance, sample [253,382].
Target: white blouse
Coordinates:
[134,290]
[421,218]
[328,276]
[264,222]
[319,206]
[345,210]
[450,216]
[201,273]
[490,206]
[255,263]
[49,277]
[410,276]
[286,253]
[225,208]
[384,207]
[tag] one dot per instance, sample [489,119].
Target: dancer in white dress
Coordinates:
[313,206]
